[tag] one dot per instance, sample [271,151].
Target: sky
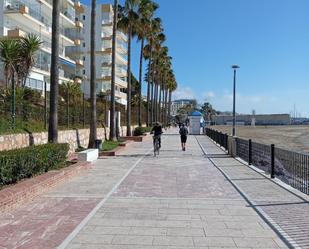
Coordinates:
[268,39]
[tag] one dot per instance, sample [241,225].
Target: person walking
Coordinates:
[183,131]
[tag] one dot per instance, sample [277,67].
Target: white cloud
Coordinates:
[184,93]
[209,95]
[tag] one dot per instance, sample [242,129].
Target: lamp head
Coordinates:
[235,66]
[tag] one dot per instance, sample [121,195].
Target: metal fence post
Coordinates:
[272,170]
[250,152]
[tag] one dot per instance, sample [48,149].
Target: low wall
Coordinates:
[75,138]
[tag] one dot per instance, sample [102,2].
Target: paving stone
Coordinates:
[177,200]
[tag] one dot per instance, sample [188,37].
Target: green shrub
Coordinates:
[27,162]
[138,131]
[110,145]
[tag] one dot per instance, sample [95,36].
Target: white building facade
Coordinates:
[21,17]
[103,40]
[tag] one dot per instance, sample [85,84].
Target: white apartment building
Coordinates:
[179,103]
[19,17]
[104,31]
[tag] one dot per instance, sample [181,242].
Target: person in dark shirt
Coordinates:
[183,131]
[157,132]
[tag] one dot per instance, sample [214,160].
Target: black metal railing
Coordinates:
[290,167]
[219,137]
[242,149]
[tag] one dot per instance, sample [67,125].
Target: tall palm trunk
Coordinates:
[13,101]
[93,99]
[129,133]
[112,134]
[152,94]
[140,84]
[54,76]
[148,86]
[156,101]
[162,106]
[159,105]
[169,104]
[152,103]
[166,108]
[148,94]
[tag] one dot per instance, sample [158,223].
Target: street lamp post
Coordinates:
[234,67]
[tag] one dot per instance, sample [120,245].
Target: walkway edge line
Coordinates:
[273,225]
[81,225]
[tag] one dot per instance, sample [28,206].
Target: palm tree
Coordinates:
[112,134]
[128,22]
[54,75]
[157,49]
[154,27]
[10,56]
[29,46]
[93,96]
[172,88]
[69,91]
[146,11]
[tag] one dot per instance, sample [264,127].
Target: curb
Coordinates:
[22,192]
[114,152]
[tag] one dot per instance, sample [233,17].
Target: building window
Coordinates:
[84,44]
[84,71]
[84,17]
[84,58]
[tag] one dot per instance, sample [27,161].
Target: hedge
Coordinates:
[26,162]
[138,131]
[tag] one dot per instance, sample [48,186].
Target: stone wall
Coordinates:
[75,138]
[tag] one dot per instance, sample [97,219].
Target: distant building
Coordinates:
[263,119]
[179,103]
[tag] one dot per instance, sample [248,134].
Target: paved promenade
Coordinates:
[179,200]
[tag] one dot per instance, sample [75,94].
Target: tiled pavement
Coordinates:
[287,212]
[178,200]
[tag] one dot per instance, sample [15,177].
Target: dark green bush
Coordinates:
[27,162]
[138,131]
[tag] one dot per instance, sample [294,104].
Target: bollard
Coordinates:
[250,152]
[272,169]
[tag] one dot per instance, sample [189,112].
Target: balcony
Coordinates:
[121,49]
[16,33]
[121,82]
[77,42]
[121,72]
[79,24]
[121,95]
[106,63]
[79,7]
[79,63]
[121,59]
[106,50]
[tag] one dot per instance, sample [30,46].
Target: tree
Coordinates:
[146,11]
[112,134]
[29,46]
[54,75]
[208,110]
[128,23]
[93,96]
[154,27]
[17,56]
[10,57]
